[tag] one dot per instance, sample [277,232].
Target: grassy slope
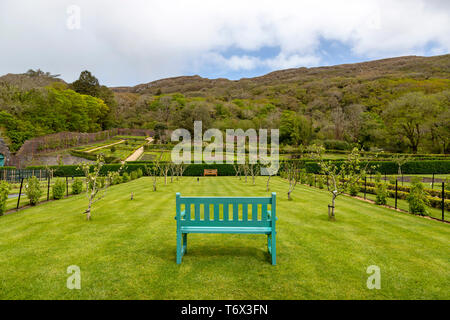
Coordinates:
[128,249]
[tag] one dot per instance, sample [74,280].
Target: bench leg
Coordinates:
[273,250]
[184,243]
[269,243]
[179,248]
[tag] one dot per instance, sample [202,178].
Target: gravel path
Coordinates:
[109,145]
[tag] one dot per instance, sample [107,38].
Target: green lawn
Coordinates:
[128,250]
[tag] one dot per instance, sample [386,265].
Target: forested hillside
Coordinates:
[399,104]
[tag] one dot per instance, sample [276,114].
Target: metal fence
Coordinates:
[16,175]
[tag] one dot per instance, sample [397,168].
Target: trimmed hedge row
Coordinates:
[432,192]
[91,156]
[388,167]
[434,201]
[191,170]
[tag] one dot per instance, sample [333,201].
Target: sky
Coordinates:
[127,42]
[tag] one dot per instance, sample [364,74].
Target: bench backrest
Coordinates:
[210,172]
[226,211]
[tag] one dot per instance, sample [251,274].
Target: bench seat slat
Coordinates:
[253,230]
[230,223]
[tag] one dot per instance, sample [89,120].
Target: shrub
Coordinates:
[378,177]
[354,189]
[101,182]
[113,149]
[310,178]
[447,184]
[392,180]
[133,175]
[77,186]
[115,178]
[139,172]
[303,176]
[33,190]
[320,182]
[381,194]
[125,177]
[4,191]
[336,145]
[58,189]
[417,197]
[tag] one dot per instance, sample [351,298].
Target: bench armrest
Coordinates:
[183,213]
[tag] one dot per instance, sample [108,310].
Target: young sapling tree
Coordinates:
[96,185]
[342,176]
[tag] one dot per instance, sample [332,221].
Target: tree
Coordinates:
[409,116]
[96,185]
[342,176]
[253,169]
[292,173]
[180,169]
[87,84]
[237,169]
[155,170]
[440,127]
[160,129]
[294,129]
[400,160]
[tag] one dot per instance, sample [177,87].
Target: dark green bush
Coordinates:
[4,192]
[133,175]
[320,181]
[418,198]
[125,177]
[381,194]
[77,186]
[336,145]
[33,190]
[115,178]
[58,189]
[310,178]
[354,189]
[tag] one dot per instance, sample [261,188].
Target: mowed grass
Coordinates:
[128,249]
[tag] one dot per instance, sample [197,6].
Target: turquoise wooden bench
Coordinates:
[203,215]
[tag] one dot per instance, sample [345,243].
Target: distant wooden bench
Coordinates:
[206,217]
[210,172]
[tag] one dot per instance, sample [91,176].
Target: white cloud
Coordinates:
[128,42]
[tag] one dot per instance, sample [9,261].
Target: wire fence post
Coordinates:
[20,193]
[396,182]
[432,182]
[443,200]
[48,187]
[365,187]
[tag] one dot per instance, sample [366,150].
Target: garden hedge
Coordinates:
[390,167]
[385,167]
